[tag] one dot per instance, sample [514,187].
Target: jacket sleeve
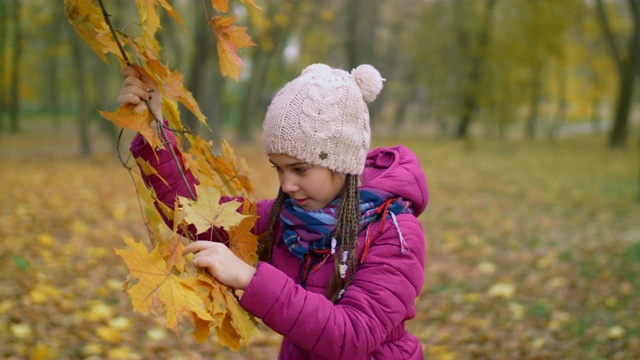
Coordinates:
[379,299]
[168,182]
[163,161]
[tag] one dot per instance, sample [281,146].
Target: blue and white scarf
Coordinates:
[311,231]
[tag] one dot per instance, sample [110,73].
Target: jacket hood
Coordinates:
[397,170]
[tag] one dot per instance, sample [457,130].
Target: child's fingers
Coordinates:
[198,246]
[134,92]
[129,71]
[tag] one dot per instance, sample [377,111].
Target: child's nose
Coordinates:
[288,184]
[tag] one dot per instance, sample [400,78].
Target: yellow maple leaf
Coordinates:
[147,169]
[251,3]
[86,18]
[158,289]
[229,38]
[207,212]
[148,12]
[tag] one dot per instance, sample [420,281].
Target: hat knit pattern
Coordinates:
[321,117]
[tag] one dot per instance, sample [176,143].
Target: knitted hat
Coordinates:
[321,117]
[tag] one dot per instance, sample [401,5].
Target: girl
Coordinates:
[342,260]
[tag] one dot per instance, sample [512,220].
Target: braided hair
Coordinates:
[347,228]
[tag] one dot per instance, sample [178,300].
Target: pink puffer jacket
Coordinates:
[368,322]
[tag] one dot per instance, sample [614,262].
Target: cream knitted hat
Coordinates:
[321,117]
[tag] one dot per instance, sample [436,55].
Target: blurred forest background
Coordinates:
[528,69]
[523,112]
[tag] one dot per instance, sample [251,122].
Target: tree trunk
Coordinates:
[362,18]
[561,112]
[635,6]
[254,88]
[619,133]
[83,106]
[195,84]
[14,91]
[4,20]
[626,68]
[534,105]
[53,69]
[214,107]
[470,95]
[253,94]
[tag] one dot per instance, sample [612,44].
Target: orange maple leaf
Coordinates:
[158,289]
[233,169]
[128,118]
[229,38]
[233,325]
[242,241]
[223,5]
[220,5]
[173,85]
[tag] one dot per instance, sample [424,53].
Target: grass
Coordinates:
[533,252]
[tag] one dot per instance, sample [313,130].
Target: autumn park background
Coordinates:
[523,113]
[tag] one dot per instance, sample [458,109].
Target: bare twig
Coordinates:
[105,15]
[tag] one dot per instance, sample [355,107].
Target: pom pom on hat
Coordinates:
[369,80]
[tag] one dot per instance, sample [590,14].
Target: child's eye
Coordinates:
[300,170]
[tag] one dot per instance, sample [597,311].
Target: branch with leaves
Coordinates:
[160,281]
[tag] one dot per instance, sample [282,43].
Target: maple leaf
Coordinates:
[153,220]
[229,38]
[158,290]
[233,325]
[223,5]
[230,167]
[147,169]
[173,85]
[242,241]
[128,118]
[220,5]
[148,12]
[207,212]
[251,3]
[86,18]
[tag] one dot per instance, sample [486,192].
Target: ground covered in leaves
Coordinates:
[534,253]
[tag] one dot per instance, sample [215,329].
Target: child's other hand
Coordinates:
[221,263]
[137,88]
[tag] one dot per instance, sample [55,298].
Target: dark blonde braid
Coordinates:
[265,246]
[347,229]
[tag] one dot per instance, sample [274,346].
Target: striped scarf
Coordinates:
[311,231]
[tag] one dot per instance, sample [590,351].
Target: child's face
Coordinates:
[310,186]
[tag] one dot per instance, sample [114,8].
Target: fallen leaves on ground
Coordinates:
[533,253]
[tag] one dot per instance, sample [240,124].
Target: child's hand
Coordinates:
[221,263]
[137,88]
